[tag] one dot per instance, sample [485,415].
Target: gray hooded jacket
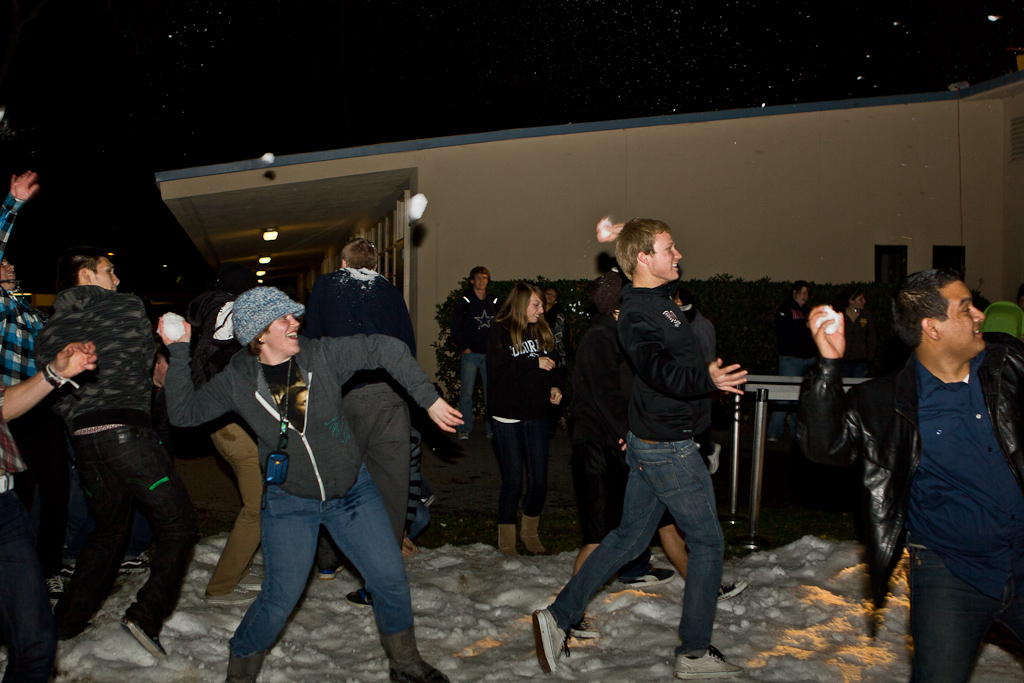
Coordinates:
[323,460]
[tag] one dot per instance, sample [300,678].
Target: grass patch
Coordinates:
[560,531]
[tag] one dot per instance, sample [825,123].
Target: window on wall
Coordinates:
[890,263]
[949,257]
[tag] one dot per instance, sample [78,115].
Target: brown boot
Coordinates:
[507,539]
[407,666]
[529,535]
[245,669]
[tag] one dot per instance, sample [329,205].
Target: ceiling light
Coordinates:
[260,273]
[264,260]
[270,234]
[260,282]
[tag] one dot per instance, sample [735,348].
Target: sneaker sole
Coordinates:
[740,587]
[697,676]
[230,599]
[143,639]
[644,585]
[541,637]
[588,634]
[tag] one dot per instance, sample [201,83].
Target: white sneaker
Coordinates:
[713,459]
[549,639]
[251,582]
[238,596]
[711,665]
[727,591]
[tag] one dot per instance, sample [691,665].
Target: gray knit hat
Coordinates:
[256,308]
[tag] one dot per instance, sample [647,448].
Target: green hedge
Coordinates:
[741,310]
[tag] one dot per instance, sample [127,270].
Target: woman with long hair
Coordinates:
[523,384]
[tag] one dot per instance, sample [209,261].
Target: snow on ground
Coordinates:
[804,618]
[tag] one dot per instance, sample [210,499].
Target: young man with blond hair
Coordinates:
[665,412]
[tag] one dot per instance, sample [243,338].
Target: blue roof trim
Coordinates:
[571,128]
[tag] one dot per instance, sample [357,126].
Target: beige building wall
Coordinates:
[801,195]
[1013,199]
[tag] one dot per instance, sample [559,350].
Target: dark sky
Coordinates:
[102,93]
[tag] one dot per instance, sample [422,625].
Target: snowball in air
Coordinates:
[174,327]
[267,158]
[830,317]
[606,232]
[417,205]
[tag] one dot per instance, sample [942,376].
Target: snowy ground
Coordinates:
[802,619]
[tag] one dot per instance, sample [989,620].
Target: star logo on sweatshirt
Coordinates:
[484,320]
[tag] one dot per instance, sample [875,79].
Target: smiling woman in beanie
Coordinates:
[288,389]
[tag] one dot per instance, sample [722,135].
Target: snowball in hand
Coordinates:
[830,317]
[606,232]
[174,327]
[417,205]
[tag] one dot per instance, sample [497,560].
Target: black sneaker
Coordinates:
[360,597]
[656,576]
[151,643]
[67,571]
[55,587]
[584,630]
[139,563]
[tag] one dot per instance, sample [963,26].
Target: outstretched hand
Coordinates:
[829,345]
[444,416]
[74,359]
[166,340]
[24,186]
[727,378]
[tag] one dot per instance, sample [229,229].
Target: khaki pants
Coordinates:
[238,448]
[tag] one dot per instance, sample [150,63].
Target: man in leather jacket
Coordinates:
[940,447]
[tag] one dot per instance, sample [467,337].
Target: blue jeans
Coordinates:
[519,444]
[949,618]
[359,525]
[119,467]
[26,623]
[471,364]
[789,366]
[672,475]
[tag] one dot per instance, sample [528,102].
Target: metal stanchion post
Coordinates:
[733,518]
[752,541]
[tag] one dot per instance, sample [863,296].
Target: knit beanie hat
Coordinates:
[604,291]
[256,308]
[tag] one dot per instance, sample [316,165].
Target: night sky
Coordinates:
[102,93]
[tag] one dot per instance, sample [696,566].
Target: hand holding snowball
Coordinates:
[173,328]
[829,331]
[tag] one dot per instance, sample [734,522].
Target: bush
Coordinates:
[742,312]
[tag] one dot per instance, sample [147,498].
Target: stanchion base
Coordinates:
[752,542]
[733,520]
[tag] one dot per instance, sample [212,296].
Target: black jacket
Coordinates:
[875,424]
[118,390]
[602,382]
[517,387]
[793,338]
[471,319]
[671,375]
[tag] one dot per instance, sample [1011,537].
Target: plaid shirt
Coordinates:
[10,459]
[20,323]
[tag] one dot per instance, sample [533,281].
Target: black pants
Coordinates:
[42,441]
[118,466]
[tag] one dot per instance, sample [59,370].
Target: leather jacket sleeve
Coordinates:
[825,430]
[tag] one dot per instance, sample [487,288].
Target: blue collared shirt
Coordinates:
[965,503]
